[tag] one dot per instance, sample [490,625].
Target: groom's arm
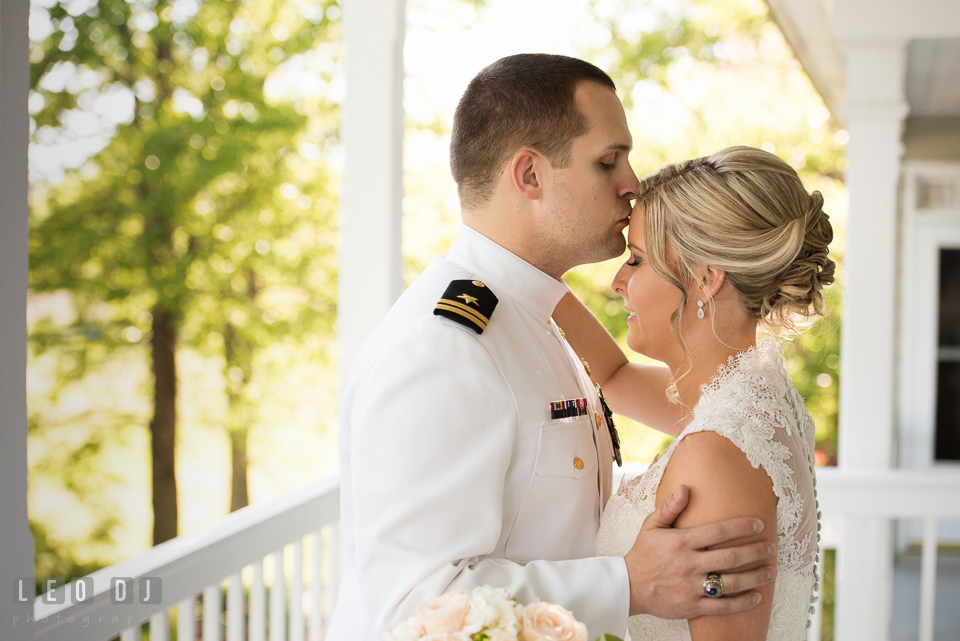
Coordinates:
[432,437]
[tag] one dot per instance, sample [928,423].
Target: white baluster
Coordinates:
[278,600]
[186,622]
[258,604]
[160,626]
[235,614]
[131,634]
[211,612]
[296,594]
[928,579]
[336,565]
[316,588]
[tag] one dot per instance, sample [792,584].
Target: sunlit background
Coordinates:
[185,168]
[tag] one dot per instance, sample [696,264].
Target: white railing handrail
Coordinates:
[893,493]
[188,563]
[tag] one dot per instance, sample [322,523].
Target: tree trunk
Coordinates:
[238,355]
[163,426]
[238,484]
[238,351]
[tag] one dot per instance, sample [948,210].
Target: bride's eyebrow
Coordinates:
[636,248]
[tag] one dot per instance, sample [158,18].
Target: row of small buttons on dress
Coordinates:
[816,558]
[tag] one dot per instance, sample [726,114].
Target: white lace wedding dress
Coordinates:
[753,403]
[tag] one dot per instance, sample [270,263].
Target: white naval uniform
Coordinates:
[453,474]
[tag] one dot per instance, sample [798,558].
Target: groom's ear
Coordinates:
[526,168]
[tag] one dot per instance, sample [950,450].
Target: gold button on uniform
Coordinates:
[578,463]
[597,416]
[586,365]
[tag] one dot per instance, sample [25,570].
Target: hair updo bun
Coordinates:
[743,211]
[798,295]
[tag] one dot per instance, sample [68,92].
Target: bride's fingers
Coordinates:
[726,605]
[750,580]
[730,558]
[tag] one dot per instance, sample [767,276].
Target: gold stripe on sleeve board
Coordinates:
[473,318]
[480,318]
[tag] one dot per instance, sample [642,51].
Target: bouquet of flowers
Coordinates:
[487,614]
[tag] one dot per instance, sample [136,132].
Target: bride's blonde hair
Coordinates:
[743,211]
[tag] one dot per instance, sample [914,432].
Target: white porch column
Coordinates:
[874,114]
[16,546]
[370,276]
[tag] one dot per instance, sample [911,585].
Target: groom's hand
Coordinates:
[667,566]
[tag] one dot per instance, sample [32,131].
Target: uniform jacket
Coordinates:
[453,474]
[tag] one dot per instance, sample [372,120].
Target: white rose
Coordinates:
[445,613]
[491,609]
[409,630]
[502,635]
[549,622]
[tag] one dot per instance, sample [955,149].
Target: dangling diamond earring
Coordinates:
[700,309]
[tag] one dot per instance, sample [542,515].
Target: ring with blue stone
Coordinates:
[713,586]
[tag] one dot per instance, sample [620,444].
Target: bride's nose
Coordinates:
[619,284]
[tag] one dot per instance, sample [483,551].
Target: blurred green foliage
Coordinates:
[209,202]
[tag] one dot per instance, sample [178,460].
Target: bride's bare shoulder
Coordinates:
[722,482]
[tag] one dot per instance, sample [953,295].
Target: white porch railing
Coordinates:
[201,563]
[893,494]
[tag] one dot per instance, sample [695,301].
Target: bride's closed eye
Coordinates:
[635,261]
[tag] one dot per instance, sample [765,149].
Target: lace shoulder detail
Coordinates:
[752,403]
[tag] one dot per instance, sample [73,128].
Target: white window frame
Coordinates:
[925,231]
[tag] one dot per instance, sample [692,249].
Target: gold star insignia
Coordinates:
[468,299]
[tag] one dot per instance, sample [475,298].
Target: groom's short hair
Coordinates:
[526,100]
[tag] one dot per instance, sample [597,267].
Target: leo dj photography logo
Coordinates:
[125,590]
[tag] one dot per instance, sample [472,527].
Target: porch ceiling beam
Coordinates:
[806,24]
[886,19]
[16,546]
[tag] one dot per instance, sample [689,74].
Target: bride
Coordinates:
[719,247]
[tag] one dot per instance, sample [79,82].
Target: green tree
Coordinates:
[183,226]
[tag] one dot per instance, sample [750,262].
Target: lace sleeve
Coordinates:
[755,406]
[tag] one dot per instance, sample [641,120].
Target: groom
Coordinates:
[458,466]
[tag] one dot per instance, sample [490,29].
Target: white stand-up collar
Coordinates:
[505,272]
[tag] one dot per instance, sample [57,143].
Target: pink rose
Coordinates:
[445,613]
[549,622]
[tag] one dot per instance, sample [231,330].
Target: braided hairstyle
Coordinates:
[743,211]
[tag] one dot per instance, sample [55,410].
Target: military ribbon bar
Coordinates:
[568,408]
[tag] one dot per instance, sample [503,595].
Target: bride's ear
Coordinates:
[711,280]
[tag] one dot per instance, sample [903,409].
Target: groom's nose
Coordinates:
[630,186]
